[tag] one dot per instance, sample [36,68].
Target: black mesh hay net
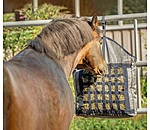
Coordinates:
[113,95]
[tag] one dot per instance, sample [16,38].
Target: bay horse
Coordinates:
[36,93]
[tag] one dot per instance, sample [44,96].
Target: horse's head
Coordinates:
[92,59]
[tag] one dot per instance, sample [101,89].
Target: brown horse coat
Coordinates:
[32,95]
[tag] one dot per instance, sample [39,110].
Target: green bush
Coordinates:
[144,41]
[9,17]
[144,91]
[143,80]
[72,86]
[43,12]
[15,38]
[144,86]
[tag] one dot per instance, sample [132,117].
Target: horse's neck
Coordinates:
[68,63]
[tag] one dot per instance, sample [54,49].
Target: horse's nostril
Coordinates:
[101,72]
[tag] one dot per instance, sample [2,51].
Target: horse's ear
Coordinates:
[94,22]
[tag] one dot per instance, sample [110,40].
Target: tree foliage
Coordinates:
[129,7]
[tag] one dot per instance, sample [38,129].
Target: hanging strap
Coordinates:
[104,36]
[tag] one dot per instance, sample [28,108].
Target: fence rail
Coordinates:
[142,111]
[26,23]
[141,63]
[123,17]
[124,27]
[107,18]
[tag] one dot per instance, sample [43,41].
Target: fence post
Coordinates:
[138,69]
[120,8]
[35,5]
[77,8]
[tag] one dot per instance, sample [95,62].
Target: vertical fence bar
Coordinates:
[35,5]
[120,8]
[138,69]
[77,8]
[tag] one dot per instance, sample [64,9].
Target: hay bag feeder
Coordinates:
[113,95]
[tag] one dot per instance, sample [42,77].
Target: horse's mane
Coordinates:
[62,37]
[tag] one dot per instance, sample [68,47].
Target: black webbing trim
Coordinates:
[103,92]
[79,94]
[89,95]
[110,92]
[116,87]
[115,112]
[96,98]
[125,74]
[80,83]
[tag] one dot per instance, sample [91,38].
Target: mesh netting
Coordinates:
[112,95]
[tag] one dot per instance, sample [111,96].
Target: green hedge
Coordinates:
[15,38]
[43,12]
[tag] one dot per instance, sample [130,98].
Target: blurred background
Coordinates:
[87,7]
[14,39]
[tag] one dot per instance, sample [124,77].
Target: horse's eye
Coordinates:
[85,60]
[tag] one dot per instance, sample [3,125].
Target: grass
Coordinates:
[134,123]
[138,122]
